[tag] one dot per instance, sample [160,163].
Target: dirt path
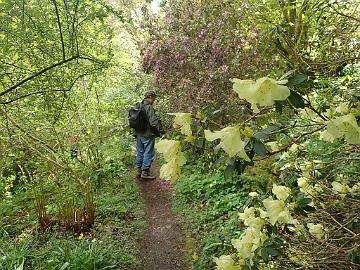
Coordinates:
[162,245]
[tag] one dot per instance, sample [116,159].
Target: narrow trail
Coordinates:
[162,244]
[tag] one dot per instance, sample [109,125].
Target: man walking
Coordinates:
[145,140]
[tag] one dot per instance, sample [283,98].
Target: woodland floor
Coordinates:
[162,243]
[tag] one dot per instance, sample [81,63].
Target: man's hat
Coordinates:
[150,93]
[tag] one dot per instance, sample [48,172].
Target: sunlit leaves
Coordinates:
[263,92]
[230,141]
[174,158]
[183,121]
[343,126]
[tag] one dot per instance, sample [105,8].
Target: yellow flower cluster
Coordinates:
[263,92]
[182,121]
[171,150]
[277,212]
[316,230]
[230,141]
[343,126]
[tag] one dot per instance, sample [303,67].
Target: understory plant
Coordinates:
[307,218]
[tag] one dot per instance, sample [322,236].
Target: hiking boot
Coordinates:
[146,174]
[138,173]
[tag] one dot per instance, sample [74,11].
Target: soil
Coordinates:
[162,243]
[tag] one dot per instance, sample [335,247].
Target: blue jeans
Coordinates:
[145,152]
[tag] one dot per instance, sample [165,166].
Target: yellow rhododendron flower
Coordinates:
[249,218]
[171,170]
[263,91]
[277,211]
[340,188]
[253,194]
[305,187]
[343,126]
[248,213]
[342,108]
[247,132]
[183,121]
[171,150]
[256,223]
[226,262]
[355,188]
[281,192]
[316,230]
[230,141]
[251,240]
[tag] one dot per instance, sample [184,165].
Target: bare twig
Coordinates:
[60,30]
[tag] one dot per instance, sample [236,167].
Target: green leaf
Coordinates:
[228,173]
[309,208]
[269,251]
[200,143]
[259,148]
[64,266]
[279,106]
[264,132]
[296,80]
[221,160]
[21,266]
[241,165]
[296,100]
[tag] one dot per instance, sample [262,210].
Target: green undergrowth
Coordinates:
[209,205]
[110,244]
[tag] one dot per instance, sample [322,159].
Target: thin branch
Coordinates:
[31,94]
[36,75]
[344,15]
[60,31]
[289,145]
[3,112]
[13,65]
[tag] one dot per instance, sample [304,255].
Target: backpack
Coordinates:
[137,118]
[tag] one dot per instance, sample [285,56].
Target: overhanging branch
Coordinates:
[34,93]
[16,85]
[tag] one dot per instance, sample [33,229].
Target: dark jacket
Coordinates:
[154,128]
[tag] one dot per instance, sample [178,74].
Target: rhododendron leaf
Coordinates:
[296,100]
[263,92]
[183,121]
[230,141]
